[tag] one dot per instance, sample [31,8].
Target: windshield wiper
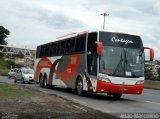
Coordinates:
[120,63]
[141,55]
[126,63]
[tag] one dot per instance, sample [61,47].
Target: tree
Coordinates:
[3,34]
[148,73]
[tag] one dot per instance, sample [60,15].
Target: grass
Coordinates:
[12,91]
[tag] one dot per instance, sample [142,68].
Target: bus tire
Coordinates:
[41,81]
[79,87]
[117,95]
[45,81]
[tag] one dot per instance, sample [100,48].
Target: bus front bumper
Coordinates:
[107,87]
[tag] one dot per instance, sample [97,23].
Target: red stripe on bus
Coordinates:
[68,72]
[71,68]
[43,63]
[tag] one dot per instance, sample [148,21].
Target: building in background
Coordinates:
[19,56]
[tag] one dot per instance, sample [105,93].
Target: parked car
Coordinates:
[24,75]
[12,72]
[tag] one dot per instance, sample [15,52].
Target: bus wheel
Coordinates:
[41,81]
[45,81]
[79,87]
[117,95]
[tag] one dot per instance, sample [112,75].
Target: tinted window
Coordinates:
[54,49]
[80,44]
[67,46]
[42,54]
[50,50]
[62,47]
[38,52]
[58,48]
[47,50]
[70,46]
[28,71]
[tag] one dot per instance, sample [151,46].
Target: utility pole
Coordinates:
[104,14]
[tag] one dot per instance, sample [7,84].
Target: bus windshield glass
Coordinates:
[119,61]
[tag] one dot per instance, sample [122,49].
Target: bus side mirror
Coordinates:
[99,48]
[151,52]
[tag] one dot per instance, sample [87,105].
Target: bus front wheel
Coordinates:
[79,87]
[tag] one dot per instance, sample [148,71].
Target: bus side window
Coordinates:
[47,50]
[50,50]
[67,46]
[54,49]
[72,46]
[77,48]
[62,47]
[80,44]
[42,51]
[38,52]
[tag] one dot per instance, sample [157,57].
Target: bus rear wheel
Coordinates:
[117,95]
[41,81]
[45,81]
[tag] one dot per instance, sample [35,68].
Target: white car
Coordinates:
[24,75]
[12,72]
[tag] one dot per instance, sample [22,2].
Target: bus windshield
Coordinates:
[119,61]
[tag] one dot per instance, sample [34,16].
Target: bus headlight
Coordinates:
[104,79]
[140,82]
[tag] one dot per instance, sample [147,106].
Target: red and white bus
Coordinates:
[99,61]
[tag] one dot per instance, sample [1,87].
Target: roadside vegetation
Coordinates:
[152,77]
[3,67]
[152,73]
[28,103]
[3,64]
[11,91]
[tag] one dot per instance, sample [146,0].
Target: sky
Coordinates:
[32,22]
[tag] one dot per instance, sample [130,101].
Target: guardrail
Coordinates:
[152,84]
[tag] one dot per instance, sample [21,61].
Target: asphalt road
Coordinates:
[148,102]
